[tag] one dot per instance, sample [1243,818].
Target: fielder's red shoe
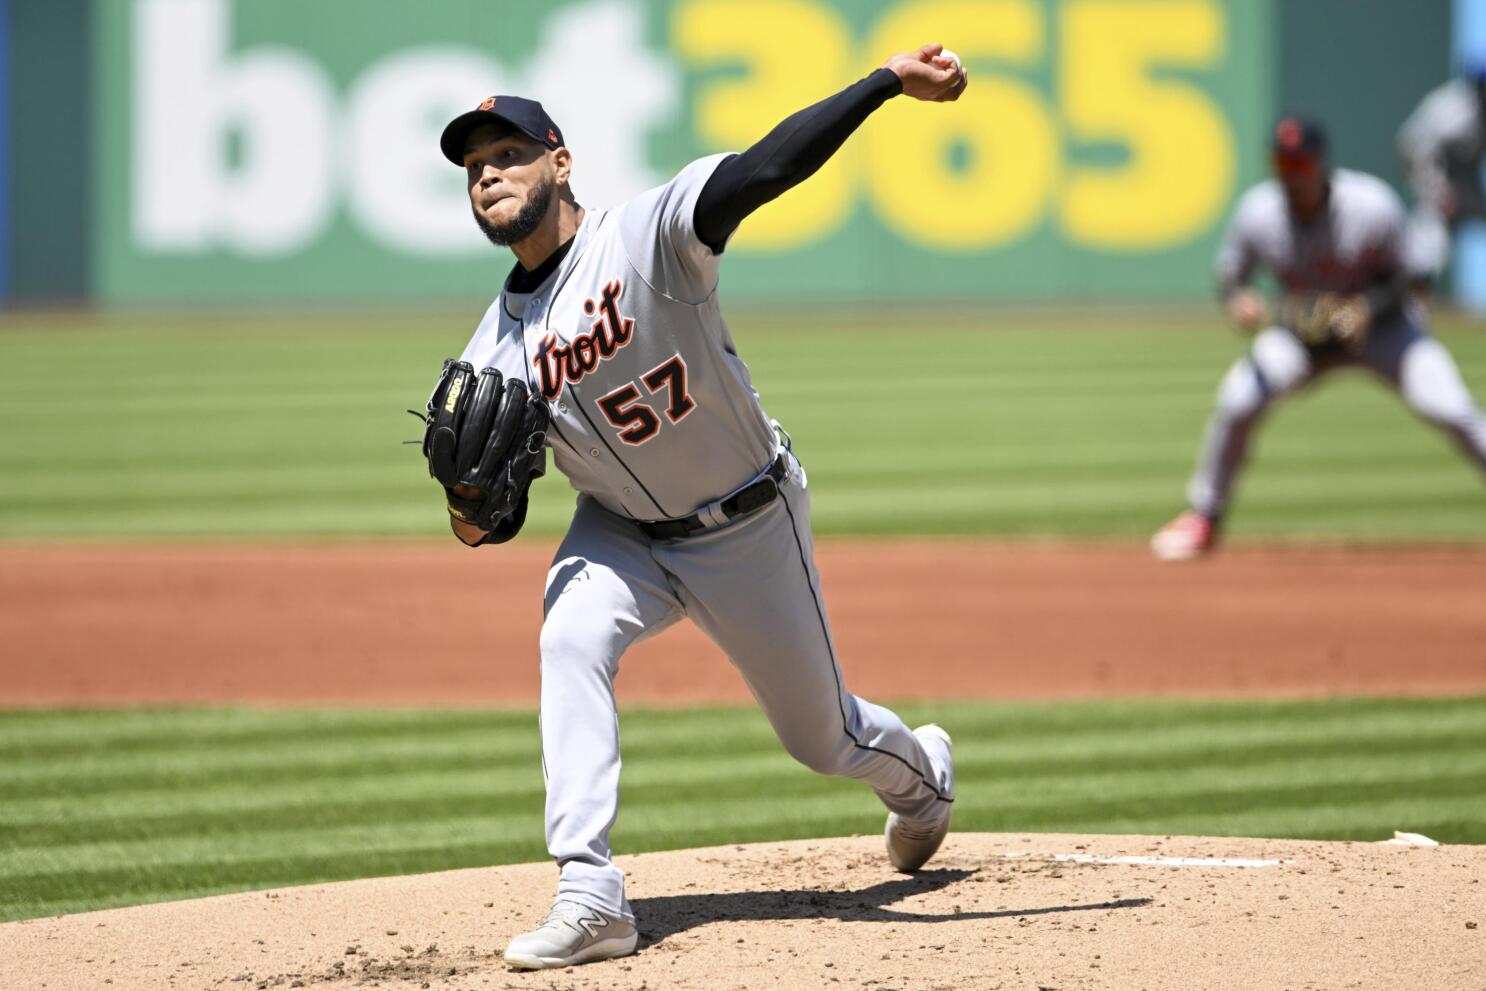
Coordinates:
[1189,535]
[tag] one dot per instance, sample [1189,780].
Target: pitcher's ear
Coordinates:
[562,164]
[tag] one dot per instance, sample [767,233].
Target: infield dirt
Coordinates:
[404,624]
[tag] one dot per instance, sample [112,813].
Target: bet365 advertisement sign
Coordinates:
[278,149]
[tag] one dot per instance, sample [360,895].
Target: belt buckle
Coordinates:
[756,496]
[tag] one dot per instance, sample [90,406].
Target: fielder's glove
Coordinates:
[1327,319]
[485,436]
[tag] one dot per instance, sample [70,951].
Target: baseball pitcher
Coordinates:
[1335,241]
[608,346]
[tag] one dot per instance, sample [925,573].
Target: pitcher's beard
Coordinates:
[526,221]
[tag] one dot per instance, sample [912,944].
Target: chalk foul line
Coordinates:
[1089,858]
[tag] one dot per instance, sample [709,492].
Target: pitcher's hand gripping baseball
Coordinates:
[484,440]
[933,73]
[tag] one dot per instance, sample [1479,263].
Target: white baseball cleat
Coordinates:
[1189,535]
[572,934]
[911,844]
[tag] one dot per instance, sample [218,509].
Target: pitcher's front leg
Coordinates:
[604,592]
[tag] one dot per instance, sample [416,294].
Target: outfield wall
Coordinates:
[272,150]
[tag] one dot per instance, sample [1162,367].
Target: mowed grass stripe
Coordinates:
[33,732]
[1241,811]
[261,759]
[318,750]
[416,833]
[79,730]
[31,735]
[1228,796]
[355,749]
[1451,820]
[273,839]
[413,796]
[1057,759]
[514,770]
[136,885]
[1331,768]
[1073,423]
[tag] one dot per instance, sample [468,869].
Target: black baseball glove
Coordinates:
[484,440]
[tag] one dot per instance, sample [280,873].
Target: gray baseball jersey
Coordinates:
[653,412]
[1360,240]
[1443,143]
[655,417]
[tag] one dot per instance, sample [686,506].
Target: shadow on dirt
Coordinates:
[669,915]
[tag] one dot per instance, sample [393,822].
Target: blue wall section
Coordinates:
[1470,243]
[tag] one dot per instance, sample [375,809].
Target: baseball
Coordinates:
[946,53]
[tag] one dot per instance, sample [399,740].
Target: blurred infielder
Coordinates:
[690,503]
[1443,146]
[1336,243]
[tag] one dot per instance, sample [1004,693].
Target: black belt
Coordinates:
[750,498]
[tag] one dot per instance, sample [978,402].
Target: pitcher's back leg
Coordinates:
[754,589]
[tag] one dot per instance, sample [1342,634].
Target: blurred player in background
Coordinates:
[1336,243]
[1442,144]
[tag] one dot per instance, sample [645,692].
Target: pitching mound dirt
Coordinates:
[997,911]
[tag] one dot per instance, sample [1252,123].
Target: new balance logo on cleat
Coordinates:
[591,923]
[572,934]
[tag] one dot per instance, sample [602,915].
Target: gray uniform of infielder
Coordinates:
[1443,146]
[655,418]
[1357,243]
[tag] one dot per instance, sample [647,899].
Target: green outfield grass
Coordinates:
[1009,422]
[111,808]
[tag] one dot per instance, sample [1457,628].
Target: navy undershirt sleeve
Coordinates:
[786,156]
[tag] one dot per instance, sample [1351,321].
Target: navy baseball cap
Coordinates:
[1296,137]
[526,116]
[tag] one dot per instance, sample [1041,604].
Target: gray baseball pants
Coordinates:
[1400,352]
[753,588]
